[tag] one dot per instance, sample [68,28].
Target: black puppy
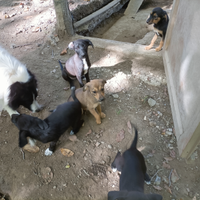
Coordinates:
[133,174]
[79,64]
[159,19]
[51,128]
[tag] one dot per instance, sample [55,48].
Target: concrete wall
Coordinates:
[182,66]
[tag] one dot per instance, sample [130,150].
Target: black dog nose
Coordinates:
[101,99]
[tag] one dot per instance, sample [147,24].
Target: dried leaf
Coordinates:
[47,174]
[89,132]
[63,52]
[66,152]
[168,188]
[7,16]
[130,128]
[120,136]
[168,159]
[157,187]
[67,166]
[165,165]
[172,154]
[174,176]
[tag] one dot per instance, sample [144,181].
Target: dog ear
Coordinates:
[85,87]
[104,82]
[42,124]
[90,44]
[22,139]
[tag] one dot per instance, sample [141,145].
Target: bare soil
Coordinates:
[27,32]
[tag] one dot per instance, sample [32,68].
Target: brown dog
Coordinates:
[90,96]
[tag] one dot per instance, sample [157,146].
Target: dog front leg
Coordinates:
[49,151]
[102,115]
[87,77]
[96,115]
[152,42]
[160,45]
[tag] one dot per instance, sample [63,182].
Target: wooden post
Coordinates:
[64,25]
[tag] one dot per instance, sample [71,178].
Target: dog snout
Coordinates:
[40,108]
[101,99]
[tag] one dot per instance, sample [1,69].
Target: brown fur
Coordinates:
[90,96]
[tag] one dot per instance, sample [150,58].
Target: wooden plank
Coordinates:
[133,7]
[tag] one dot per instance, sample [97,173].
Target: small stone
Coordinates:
[140,138]
[54,187]
[157,181]
[115,96]
[151,102]
[168,133]
[151,123]
[145,118]
[97,144]
[110,146]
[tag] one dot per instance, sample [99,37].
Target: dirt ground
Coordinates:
[27,32]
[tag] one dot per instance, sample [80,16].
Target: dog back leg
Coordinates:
[77,125]
[152,42]
[87,77]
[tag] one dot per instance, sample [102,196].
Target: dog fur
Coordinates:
[133,174]
[18,86]
[51,128]
[79,64]
[159,19]
[90,96]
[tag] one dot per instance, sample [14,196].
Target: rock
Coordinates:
[151,123]
[115,96]
[145,118]
[151,102]
[53,71]
[110,146]
[97,144]
[168,133]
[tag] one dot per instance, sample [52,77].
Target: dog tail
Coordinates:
[73,94]
[61,66]
[134,144]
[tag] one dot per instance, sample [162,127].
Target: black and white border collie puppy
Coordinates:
[18,86]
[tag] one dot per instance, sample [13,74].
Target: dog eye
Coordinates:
[102,89]
[94,92]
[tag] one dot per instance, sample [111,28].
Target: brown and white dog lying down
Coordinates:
[50,129]
[133,169]
[18,86]
[79,64]
[90,96]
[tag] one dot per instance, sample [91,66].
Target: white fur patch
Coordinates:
[48,152]
[11,71]
[148,182]
[35,106]
[71,132]
[114,169]
[85,66]
[31,141]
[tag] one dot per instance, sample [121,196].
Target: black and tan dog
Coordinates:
[90,96]
[79,64]
[159,19]
[133,174]
[51,128]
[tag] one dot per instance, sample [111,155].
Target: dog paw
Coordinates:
[147,48]
[48,152]
[31,149]
[98,121]
[103,115]
[158,49]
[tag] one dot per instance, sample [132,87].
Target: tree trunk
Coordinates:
[64,25]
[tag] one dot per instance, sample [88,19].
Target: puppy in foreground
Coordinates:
[18,86]
[90,96]
[79,64]
[160,20]
[51,128]
[132,166]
